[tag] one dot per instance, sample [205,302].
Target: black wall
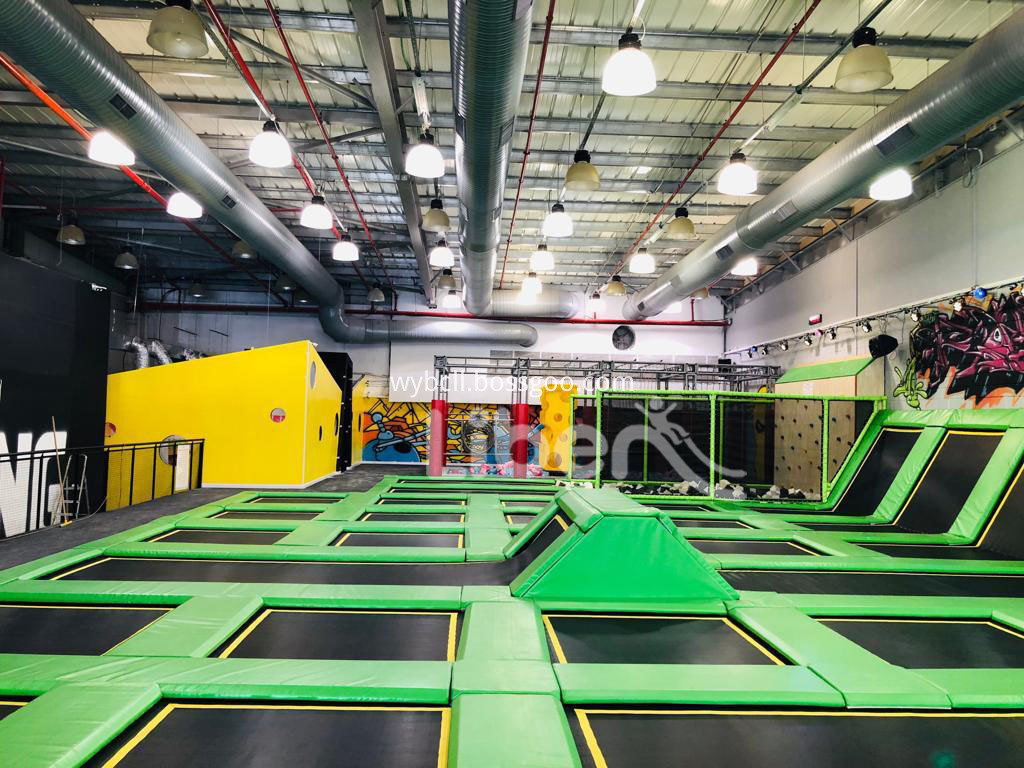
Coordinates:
[53,356]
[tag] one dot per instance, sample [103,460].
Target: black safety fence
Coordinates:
[718,444]
[42,488]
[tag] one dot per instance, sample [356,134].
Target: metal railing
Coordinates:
[46,487]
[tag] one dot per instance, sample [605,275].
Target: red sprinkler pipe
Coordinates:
[529,134]
[701,157]
[68,118]
[327,138]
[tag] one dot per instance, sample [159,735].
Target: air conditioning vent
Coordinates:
[896,140]
[122,106]
[228,201]
[724,252]
[784,211]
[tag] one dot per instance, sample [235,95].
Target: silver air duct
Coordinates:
[141,353]
[489,41]
[57,45]
[984,79]
[160,353]
[552,302]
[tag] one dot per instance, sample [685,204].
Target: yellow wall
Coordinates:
[555,420]
[228,399]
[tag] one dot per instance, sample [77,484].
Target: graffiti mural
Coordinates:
[477,434]
[978,350]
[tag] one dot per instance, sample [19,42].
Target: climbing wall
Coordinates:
[798,434]
[555,422]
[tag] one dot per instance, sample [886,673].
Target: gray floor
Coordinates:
[22,549]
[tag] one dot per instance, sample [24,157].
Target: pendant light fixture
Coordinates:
[557,223]
[641,262]
[70,233]
[737,178]
[615,287]
[542,260]
[269,149]
[423,159]
[284,284]
[865,67]
[316,214]
[745,267]
[301,297]
[196,290]
[177,31]
[446,282]
[182,206]
[441,255]
[531,286]
[451,299]
[629,71]
[582,176]
[680,228]
[436,220]
[596,303]
[375,295]
[126,260]
[894,185]
[345,249]
[106,148]
[242,250]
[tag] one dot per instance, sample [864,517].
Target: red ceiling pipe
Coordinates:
[718,134]
[327,138]
[68,118]
[529,134]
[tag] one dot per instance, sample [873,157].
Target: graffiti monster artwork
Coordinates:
[979,350]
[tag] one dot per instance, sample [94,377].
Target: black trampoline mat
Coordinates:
[877,583]
[70,629]
[538,505]
[294,500]
[271,735]
[8,706]
[520,519]
[241,515]
[682,522]
[935,643]
[360,539]
[414,517]
[784,739]
[420,502]
[880,527]
[627,639]
[936,551]
[221,537]
[359,635]
[320,572]
[742,547]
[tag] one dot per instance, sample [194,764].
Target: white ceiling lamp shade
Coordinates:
[126,260]
[316,214]
[441,255]
[181,206]
[446,282]
[269,149]
[542,260]
[177,31]
[865,67]
[451,300]
[629,71]
[745,267]
[557,223]
[284,284]
[423,159]
[582,176]
[106,148]
[436,220]
[531,286]
[345,249]
[196,290]
[615,287]
[681,228]
[70,233]
[301,297]
[375,295]
[242,250]
[894,185]
[641,262]
[596,303]
[737,178]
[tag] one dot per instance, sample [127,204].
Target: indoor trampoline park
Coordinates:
[511,384]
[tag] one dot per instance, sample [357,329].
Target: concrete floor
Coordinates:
[30,546]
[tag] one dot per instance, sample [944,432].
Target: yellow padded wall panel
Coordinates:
[323,412]
[228,400]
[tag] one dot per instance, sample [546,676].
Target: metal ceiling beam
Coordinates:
[376,48]
[295,113]
[561,34]
[560,84]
